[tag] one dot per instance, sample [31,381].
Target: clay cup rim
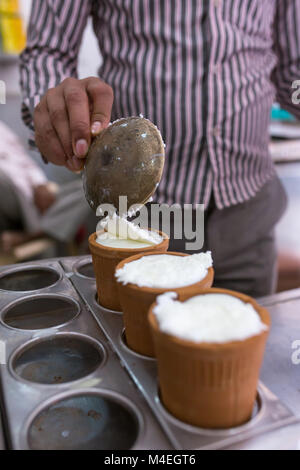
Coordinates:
[96,248]
[210,347]
[156,290]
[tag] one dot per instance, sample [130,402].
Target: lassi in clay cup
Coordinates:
[119,240]
[209,351]
[143,277]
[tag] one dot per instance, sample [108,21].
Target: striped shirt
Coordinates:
[205,71]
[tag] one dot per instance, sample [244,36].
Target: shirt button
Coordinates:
[216,69]
[217,3]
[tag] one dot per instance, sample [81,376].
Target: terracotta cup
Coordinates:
[136,301]
[105,261]
[210,385]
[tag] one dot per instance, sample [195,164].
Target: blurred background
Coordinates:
[14,17]
[284,147]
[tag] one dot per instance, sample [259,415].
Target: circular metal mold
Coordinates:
[29,279]
[130,351]
[40,312]
[257,414]
[57,359]
[85,420]
[115,312]
[85,269]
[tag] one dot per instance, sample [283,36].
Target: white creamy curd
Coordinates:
[165,271]
[208,318]
[120,243]
[119,233]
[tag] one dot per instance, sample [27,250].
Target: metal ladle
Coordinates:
[126,159]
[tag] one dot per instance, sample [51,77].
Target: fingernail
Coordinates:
[81,148]
[77,163]
[96,128]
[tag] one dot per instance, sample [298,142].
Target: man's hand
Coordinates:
[68,116]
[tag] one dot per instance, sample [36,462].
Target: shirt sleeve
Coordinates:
[287,49]
[54,37]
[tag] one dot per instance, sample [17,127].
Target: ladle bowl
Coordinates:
[126,159]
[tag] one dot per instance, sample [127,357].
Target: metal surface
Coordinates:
[271,412]
[24,400]
[76,413]
[85,268]
[28,279]
[57,359]
[39,312]
[86,420]
[281,368]
[2,440]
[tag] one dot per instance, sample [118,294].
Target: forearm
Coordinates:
[54,37]
[62,111]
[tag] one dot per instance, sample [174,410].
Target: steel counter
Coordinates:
[122,378]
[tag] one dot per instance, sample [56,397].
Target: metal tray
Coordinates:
[63,386]
[2,439]
[131,379]
[269,415]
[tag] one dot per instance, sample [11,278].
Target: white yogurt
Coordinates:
[119,233]
[166,271]
[208,318]
[121,243]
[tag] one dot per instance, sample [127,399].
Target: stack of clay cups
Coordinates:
[210,385]
[136,302]
[105,261]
